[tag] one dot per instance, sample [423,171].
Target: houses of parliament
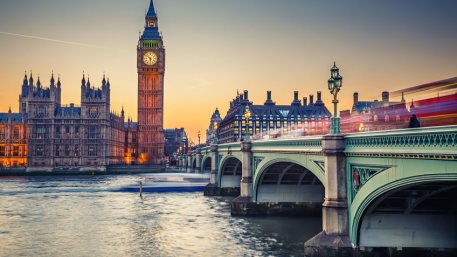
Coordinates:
[46,135]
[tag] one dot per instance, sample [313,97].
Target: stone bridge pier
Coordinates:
[212,189]
[198,161]
[334,238]
[243,204]
[189,163]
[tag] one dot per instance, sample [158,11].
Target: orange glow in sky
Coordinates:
[216,47]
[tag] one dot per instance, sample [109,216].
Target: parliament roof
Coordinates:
[15,117]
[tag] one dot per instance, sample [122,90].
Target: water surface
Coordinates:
[92,216]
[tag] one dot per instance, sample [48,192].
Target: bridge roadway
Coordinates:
[392,190]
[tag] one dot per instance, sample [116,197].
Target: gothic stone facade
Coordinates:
[69,137]
[151,70]
[13,139]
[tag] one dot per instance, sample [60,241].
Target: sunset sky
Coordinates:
[215,47]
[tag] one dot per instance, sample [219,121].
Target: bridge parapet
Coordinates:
[295,145]
[230,147]
[424,143]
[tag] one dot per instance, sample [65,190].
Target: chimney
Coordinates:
[72,105]
[356,98]
[311,99]
[305,101]
[319,96]
[385,96]
[296,102]
[269,101]
[246,95]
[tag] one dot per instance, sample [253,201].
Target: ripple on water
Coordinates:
[86,216]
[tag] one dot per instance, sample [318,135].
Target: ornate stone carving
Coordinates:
[321,165]
[255,162]
[360,174]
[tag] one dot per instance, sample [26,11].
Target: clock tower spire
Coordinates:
[151,71]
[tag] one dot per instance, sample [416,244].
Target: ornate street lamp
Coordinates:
[247,115]
[215,127]
[199,134]
[334,86]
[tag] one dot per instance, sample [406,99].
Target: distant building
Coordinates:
[311,118]
[131,142]
[211,132]
[175,140]
[62,137]
[375,115]
[13,139]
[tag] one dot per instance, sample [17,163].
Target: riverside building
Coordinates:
[308,117]
[70,137]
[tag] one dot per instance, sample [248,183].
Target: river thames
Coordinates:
[93,216]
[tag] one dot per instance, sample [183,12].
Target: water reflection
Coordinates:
[88,216]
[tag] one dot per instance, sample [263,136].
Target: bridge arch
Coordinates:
[206,164]
[230,172]
[265,164]
[415,211]
[286,180]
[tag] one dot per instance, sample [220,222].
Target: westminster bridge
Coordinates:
[392,189]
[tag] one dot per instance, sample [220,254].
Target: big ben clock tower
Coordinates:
[151,70]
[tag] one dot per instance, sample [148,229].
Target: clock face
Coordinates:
[150,58]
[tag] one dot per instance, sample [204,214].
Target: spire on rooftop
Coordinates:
[104,80]
[52,78]
[151,12]
[31,78]
[38,83]
[83,81]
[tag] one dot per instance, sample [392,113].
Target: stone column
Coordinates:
[212,188]
[198,165]
[246,180]
[184,166]
[189,163]
[334,239]
[182,163]
[214,168]
[243,204]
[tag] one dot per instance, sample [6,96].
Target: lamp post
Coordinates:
[215,127]
[247,115]
[199,134]
[334,86]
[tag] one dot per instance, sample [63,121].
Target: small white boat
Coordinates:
[169,182]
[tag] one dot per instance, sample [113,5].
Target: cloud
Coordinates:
[49,39]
